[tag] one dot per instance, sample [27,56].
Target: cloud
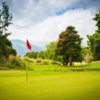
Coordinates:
[34,11]
[50,28]
[44,20]
[31,12]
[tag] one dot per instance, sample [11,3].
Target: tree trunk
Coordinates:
[70,60]
[66,63]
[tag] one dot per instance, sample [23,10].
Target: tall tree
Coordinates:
[94,40]
[50,50]
[69,45]
[97,18]
[5,21]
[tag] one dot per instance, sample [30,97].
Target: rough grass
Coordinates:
[50,85]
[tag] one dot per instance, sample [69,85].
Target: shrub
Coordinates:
[3,59]
[31,60]
[38,60]
[53,62]
[13,63]
[46,62]
[7,65]
[10,58]
[3,68]
[59,63]
[16,61]
[23,65]
[28,59]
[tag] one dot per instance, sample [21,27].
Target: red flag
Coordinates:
[28,45]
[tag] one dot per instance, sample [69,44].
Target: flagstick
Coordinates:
[29,47]
[26,71]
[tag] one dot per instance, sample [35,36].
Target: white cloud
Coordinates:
[31,12]
[34,11]
[50,28]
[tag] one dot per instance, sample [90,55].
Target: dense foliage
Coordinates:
[94,40]
[69,46]
[5,44]
[32,54]
[50,50]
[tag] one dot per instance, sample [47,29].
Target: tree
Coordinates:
[41,55]
[5,20]
[97,18]
[69,45]
[5,17]
[32,54]
[50,50]
[94,40]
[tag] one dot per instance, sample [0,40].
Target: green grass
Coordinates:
[22,73]
[36,67]
[50,85]
[49,67]
[51,82]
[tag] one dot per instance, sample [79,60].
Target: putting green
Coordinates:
[50,85]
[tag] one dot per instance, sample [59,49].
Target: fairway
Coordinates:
[52,85]
[49,49]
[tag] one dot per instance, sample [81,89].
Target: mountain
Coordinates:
[21,48]
[41,44]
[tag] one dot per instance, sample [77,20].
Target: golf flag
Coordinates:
[28,45]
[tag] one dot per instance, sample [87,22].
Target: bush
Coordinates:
[46,62]
[59,63]
[13,63]
[53,62]
[16,61]
[10,58]
[28,59]
[7,65]
[38,60]
[3,59]
[3,68]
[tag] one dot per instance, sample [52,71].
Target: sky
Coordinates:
[41,21]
